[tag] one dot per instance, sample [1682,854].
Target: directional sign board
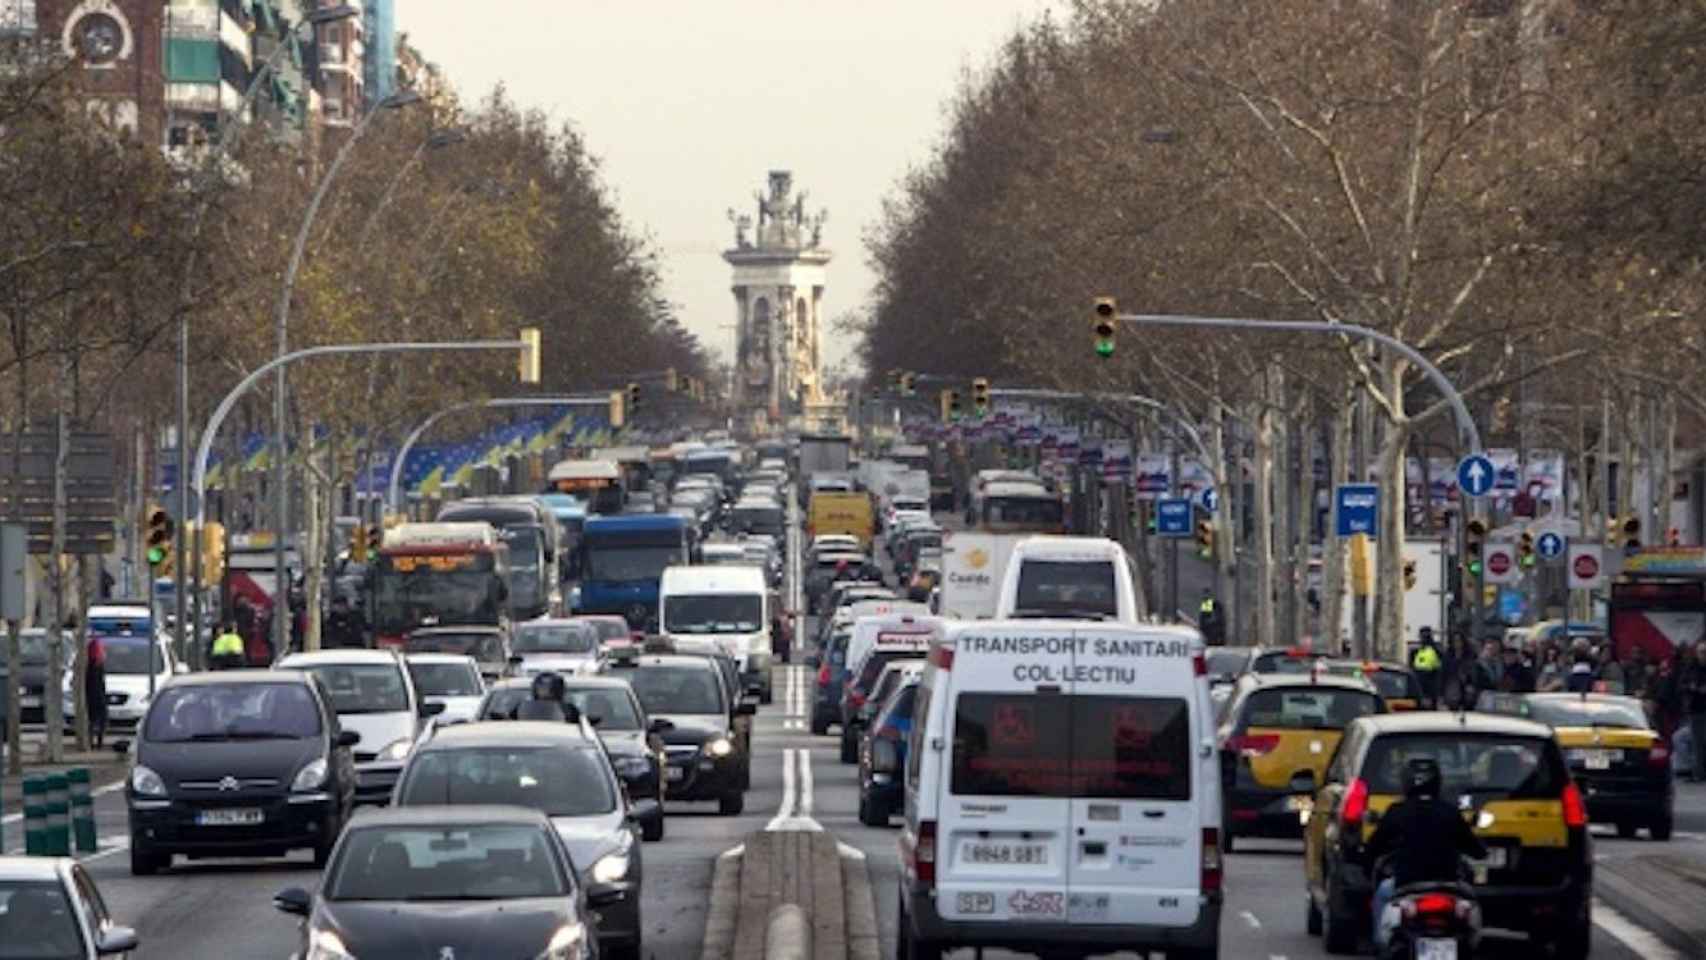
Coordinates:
[1501,563]
[1550,545]
[1476,475]
[1209,499]
[1586,566]
[1356,509]
[1173,517]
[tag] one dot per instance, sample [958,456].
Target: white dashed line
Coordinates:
[1643,943]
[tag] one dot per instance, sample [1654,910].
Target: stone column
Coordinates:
[743,330]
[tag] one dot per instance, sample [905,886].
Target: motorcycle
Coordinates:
[1431,921]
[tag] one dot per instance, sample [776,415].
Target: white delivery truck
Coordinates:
[1424,601]
[973,567]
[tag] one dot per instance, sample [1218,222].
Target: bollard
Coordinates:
[35,817]
[82,809]
[58,820]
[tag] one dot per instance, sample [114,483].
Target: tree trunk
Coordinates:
[1389,551]
[84,565]
[1280,481]
[1626,469]
[1332,548]
[1262,516]
[53,704]
[1667,463]
[1225,536]
[1302,525]
[314,533]
[14,655]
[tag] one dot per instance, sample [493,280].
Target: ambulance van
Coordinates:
[1072,578]
[1061,793]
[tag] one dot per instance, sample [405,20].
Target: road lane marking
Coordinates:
[1250,919]
[805,794]
[795,813]
[786,810]
[1643,943]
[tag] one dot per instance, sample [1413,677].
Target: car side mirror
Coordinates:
[516,660]
[1303,781]
[604,895]
[659,725]
[746,709]
[293,900]
[116,940]
[348,738]
[431,709]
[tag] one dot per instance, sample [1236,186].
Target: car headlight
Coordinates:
[568,943]
[720,747]
[396,750]
[633,766]
[146,783]
[309,777]
[326,945]
[611,868]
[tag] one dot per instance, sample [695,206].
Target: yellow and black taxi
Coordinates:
[1293,660]
[1621,764]
[1396,683]
[1276,727]
[1508,777]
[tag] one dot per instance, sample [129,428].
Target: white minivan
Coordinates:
[1075,578]
[1062,793]
[720,609]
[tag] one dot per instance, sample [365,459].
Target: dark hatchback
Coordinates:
[238,763]
[632,739]
[468,882]
[707,755]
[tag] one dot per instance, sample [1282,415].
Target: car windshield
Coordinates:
[233,711]
[1285,662]
[451,862]
[1576,712]
[609,708]
[32,647]
[1308,708]
[445,679]
[501,702]
[555,638]
[1481,765]
[560,781]
[671,689]
[1224,662]
[363,687]
[712,613]
[129,656]
[610,629]
[1067,588]
[476,645]
[37,922]
[623,564]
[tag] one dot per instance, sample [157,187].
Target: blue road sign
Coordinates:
[1476,475]
[1356,509]
[1173,517]
[1550,545]
[1209,499]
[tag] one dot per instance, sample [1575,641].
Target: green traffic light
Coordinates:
[1474,568]
[1105,349]
[156,556]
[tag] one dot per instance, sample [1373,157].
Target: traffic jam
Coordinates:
[552,683]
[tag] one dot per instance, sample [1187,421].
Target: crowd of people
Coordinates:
[1673,688]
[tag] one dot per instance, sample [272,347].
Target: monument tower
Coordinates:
[778,288]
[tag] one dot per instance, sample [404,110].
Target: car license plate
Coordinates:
[30,702]
[676,773]
[1019,854]
[1497,857]
[975,903]
[1436,948]
[229,817]
[1598,759]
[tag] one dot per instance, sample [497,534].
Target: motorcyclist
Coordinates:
[546,701]
[1425,836]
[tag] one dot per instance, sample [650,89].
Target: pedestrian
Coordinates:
[1489,670]
[1693,685]
[1429,666]
[1514,675]
[340,626]
[1550,677]
[1638,676]
[1608,673]
[95,689]
[228,652]
[1459,672]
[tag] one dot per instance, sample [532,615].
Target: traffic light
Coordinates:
[160,532]
[980,396]
[358,543]
[634,400]
[618,410]
[1673,538]
[1205,539]
[1409,574]
[1525,555]
[955,408]
[212,552]
[528,366]
[942,401]
[1474,539]
[1103,326]
[1631,533]
[908,380]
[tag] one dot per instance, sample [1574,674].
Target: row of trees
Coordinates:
[450,221]
[1507,185]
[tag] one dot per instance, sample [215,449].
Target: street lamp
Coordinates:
[396,101]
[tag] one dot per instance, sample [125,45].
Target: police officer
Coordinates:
[1429,665]
[1208,618]
[228,651]
[546,701]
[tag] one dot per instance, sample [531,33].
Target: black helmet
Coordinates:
[1422,778]
[548,686]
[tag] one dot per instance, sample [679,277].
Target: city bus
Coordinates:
[529,528]
[436,575]
[597,483]
[1017,507]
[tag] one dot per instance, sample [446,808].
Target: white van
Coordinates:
[720,609]
[875,642]
[1062,793]
[1075,578]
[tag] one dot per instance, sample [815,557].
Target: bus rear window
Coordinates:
[1039,745]
[1066,588]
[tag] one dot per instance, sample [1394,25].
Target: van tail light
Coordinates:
[1575,811]
[1659,755]
[923,854]
[1199,665]
[1211,862]
[942,658]
[1355,804]
[1253,744]
[823,675]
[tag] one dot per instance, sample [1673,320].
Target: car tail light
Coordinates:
[1211,862]
[823,675]
[923,854]
[1253,744]
[1659,755]
[1355,804]
[1575,812]
[942,658]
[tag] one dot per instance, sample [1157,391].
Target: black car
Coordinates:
[447,882]
[632,740]
[31,685]
[707,754]
[245,762]
[562,770]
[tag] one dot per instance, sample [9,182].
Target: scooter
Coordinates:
[1431,921]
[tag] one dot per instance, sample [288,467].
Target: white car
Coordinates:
[450,679]
[374,697]
[50,907]
[558,645]
[127,670]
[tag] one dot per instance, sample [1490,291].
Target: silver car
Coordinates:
[49,907]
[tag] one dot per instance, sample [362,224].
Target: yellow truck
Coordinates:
[836,512]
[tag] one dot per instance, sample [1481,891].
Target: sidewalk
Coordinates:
[1660,891]
[105,767]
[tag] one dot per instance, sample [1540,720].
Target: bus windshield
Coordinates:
[410,591]
[623,562]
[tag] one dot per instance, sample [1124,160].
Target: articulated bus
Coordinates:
[1006,507]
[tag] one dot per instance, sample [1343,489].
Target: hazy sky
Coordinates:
[689,104]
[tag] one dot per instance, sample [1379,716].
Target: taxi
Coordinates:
[1507,775]
[1621,764]
[1287,660]
[1397,684]
[1276,727]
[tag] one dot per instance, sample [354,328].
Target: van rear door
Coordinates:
[1005,815]
[1136,808]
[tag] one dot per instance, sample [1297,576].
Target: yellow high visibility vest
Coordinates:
[1427,658]
[228,645]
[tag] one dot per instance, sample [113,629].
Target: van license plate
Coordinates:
[974,903]
[229,817]
[1435,948]
[1021,854]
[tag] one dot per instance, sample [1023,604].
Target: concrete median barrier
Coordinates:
[788,934]
[787,894]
